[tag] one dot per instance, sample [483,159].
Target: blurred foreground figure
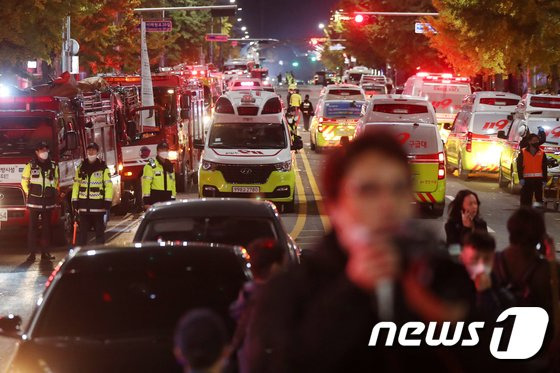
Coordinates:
[372,267]
[201,342]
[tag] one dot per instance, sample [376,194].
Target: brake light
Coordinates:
[320,128]
[441,166]
[422,74]
[469,142]
[499,101]
[321,119]
[224,106]
[272,106]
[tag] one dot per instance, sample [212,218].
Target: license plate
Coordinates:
[246,189]
[3,215]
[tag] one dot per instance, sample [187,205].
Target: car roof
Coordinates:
[335,86]
[212,207]
[394,97]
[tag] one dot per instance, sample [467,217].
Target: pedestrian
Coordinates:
[279,77]
[158,178]
[295,100]
[40,183]
[201,342]
[318,316]
[92,195]
[266,257]
[464,217]
[532,172]
[541,133]
[477,255]
[307,111]
[292,123]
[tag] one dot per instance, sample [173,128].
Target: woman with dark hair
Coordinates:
[464,217]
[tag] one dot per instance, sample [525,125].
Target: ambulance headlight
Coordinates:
[283,166]
[173,155]
[5,91]
[208,166]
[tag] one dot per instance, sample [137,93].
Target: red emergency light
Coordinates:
[359,18]
[122,79]
[445,78]
[27,102]
[499,101]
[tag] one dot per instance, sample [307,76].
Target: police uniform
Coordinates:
[40,182]
[92,194]
[158,181]
[532,169]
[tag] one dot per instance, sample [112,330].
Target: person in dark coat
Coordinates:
[464,217]
[372,267]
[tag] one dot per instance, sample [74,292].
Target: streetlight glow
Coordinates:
[244,28]
[321,26]
[239,19]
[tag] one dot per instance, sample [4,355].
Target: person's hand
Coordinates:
[367,267]
[522,182]
[467,218]
[483,282]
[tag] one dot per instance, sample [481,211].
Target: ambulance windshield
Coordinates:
[20,135]
[248,136]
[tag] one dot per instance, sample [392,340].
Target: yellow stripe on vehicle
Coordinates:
[316,192]
[302,205]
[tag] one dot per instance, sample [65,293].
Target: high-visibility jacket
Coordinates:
[158,185]
[40,184]
[93,188]
[531,166]
[295,100]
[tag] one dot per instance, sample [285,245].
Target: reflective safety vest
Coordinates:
[40,185]
[532,164]
[295,100]
[93,188]
[158,185]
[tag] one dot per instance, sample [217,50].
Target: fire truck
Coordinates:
[67,124]
[179,112]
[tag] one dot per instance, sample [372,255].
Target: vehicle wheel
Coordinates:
[438,209]
[62,234]
[502,182]
[511,183]
[289,207]
[311,144]
[463,174]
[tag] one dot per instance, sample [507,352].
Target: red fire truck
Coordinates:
[67,124]
[179,112]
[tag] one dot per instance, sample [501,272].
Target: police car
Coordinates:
[413,121]
[473,145]
[244,84]
[248,151]
[533,111]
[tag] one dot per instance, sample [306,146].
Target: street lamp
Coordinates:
[246,32]
[244,28]
[231,1]
[321,26]
[239,9]
[239,20]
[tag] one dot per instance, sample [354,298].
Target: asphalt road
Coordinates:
[21,283]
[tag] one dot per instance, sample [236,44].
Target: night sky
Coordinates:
[284,19]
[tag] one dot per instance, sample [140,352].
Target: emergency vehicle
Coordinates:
[374,85]
[412,120]
[532,112]
[248,151]
[67,124]
[179,112]
[237,67]
[472,144]
[353,75]
[445,91]
[342,92]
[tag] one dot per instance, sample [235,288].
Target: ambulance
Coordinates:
[248,151]
[473,145]
[533,111]
[353,75]
[445,91]
[413,122]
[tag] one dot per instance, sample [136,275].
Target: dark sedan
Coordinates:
[220,220]
[113,309]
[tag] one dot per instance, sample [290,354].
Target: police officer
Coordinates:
[307,112]
[158,178]
[40,183]
[532,171]
[92,194]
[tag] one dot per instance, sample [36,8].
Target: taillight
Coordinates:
[441,166]
[272,106]
[224,106]
[320,128]
[469,142]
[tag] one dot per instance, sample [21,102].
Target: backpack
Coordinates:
[521,291]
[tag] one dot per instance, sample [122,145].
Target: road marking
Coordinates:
[302,206]
[316,192]
[451,198]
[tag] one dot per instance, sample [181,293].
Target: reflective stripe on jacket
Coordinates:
[40,185]
[157,184]
[93,188]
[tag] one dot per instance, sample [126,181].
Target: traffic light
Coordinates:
[295,64]
[359,18]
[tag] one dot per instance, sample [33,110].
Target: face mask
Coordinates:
[534,144]
[163,155]
[44,155]
[478,269]
[92,158]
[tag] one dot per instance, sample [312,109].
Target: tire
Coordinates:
[289,207]
[62,232]
[311,144]
[502,182]
[463,174]
[511,184]
[438,209]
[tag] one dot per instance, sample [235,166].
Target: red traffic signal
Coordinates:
[359,18]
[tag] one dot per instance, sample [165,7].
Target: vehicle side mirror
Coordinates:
[10,326]
[71,140]
[198,144]
[131,129]
[502,135]
[298,143]
[185,113]
[447,126]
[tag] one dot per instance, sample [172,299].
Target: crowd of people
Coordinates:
[377,265]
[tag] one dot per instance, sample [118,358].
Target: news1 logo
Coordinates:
[526,338]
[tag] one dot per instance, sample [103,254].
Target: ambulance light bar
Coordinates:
[445,78]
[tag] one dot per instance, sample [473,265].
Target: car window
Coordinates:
[417,140]
[139,295]
[344,94]
[225,229]
[343,109]
[248,136]
[400,112]
[460,125]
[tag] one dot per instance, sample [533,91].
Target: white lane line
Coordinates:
[451,198]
